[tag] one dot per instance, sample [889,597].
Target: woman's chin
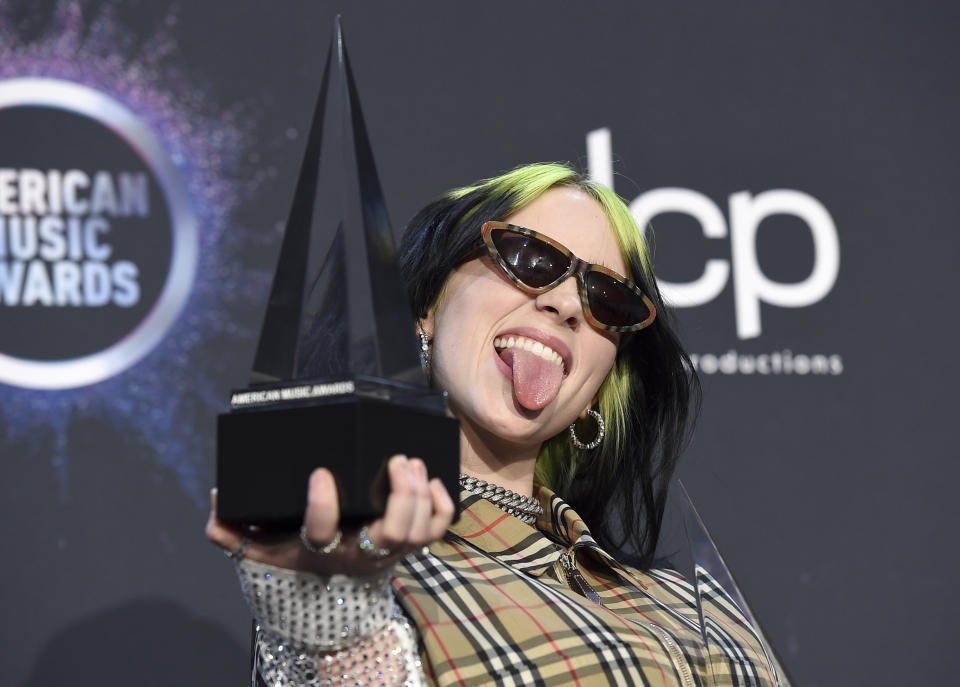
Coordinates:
[519,427]
[501,419]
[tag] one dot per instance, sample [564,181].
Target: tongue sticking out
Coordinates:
[535,380]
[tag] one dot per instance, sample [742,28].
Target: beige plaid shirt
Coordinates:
[501,602]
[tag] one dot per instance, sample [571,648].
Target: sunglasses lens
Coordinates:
[614,303]
[532,261]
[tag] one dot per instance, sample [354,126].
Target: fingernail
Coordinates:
[213,497]
[319,479]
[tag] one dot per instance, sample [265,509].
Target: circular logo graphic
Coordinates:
[98,242]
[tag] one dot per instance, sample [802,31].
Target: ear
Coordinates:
[426,325]
[593,402]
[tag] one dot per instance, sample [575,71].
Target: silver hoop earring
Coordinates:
[601,430]
[424,351]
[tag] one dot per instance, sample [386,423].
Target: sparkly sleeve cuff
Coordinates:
[328,630]
[320,613]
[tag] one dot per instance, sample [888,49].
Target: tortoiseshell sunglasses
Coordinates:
[536,263]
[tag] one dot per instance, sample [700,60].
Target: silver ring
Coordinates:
[240,551]
[368,547]
[314,548]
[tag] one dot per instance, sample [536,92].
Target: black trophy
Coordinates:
[337,380]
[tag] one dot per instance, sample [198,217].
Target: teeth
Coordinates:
[536,347]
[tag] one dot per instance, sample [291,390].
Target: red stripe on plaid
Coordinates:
[399,586]
[492,612]
[632,629]
[556,648]
[487,528]
[621,597]
[490,529]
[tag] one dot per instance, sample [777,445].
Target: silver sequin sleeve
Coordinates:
[337,630]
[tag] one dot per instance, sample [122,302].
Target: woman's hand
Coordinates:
[418,512]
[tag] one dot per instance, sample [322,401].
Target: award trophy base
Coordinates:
[275,436]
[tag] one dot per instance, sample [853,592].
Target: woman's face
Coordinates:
[526,397]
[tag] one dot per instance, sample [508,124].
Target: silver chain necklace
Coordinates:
[525,508]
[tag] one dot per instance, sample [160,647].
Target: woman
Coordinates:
[536,306]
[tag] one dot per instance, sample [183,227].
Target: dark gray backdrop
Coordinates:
[829,494]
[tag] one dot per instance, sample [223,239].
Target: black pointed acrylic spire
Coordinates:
[337,364]
[337,306]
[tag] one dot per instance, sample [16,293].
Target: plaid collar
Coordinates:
[524,547]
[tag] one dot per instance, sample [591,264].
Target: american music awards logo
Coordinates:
[98,242]
[121,243]
[751,286]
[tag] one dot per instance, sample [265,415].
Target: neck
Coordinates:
[493,460]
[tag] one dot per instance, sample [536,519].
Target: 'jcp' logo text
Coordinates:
[750,285]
